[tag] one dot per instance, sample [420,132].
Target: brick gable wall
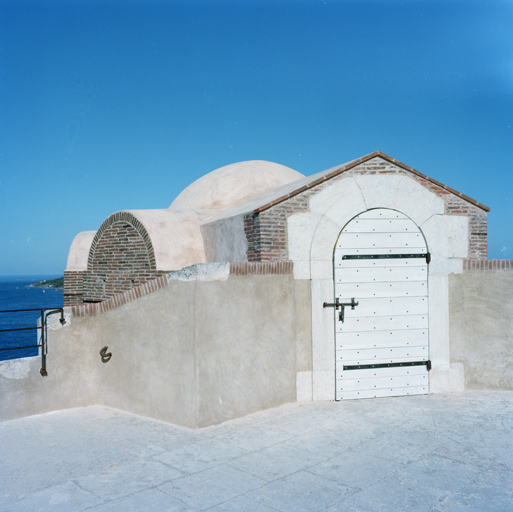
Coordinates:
[266,231]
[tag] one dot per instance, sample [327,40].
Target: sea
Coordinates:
[15,294]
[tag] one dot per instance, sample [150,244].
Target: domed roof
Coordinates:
[233,184]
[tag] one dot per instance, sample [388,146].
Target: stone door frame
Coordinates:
[312,237]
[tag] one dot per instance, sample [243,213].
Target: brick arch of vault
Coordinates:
[136,224]
[121,257]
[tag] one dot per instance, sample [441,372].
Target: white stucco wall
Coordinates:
[225,240]
[206,348]
[79,251]
[481,327]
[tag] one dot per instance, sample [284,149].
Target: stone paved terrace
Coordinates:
[424,453]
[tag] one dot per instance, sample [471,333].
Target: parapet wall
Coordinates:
[217,341]
[197,347]
[481,323]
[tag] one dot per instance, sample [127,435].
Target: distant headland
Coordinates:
[55,284]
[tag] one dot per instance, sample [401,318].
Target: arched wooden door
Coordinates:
[382,345]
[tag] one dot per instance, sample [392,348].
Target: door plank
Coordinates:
[380,393]
[380,250]
[381,213]
[360,225]
[369,373]
[380,240]
[387,289]
[382,355]
[380,274]
[384,382]
[386,262]
[382,339]
[385,306]
[383,323]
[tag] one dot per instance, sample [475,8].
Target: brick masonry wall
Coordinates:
[73,287]
[266,231]
[118,262]
[121,258]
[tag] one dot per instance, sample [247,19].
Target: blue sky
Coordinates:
[110,105]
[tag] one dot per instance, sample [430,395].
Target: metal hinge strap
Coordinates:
[426,255]
[387,365]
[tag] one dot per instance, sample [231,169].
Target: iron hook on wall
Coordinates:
[105,355]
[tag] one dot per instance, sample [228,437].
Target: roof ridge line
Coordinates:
[346,167]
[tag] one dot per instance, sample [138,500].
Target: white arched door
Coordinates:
[382,345]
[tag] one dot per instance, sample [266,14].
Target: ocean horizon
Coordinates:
[15,294]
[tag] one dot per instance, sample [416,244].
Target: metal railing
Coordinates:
[43,340]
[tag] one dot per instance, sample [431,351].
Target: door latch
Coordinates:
[337,304]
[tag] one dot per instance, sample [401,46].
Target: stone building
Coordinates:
[373,219]
[260,286]
[246,212]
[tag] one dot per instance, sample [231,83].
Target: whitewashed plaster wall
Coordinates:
[312,237]
[225,240]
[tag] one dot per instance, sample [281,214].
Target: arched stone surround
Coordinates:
[312,237]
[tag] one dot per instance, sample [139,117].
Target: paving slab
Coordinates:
[433,453]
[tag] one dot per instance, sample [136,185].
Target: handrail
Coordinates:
[45,313]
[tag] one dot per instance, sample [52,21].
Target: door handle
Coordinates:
[337,304]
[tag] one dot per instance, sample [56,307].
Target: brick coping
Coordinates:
[474,264]
[235,268]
